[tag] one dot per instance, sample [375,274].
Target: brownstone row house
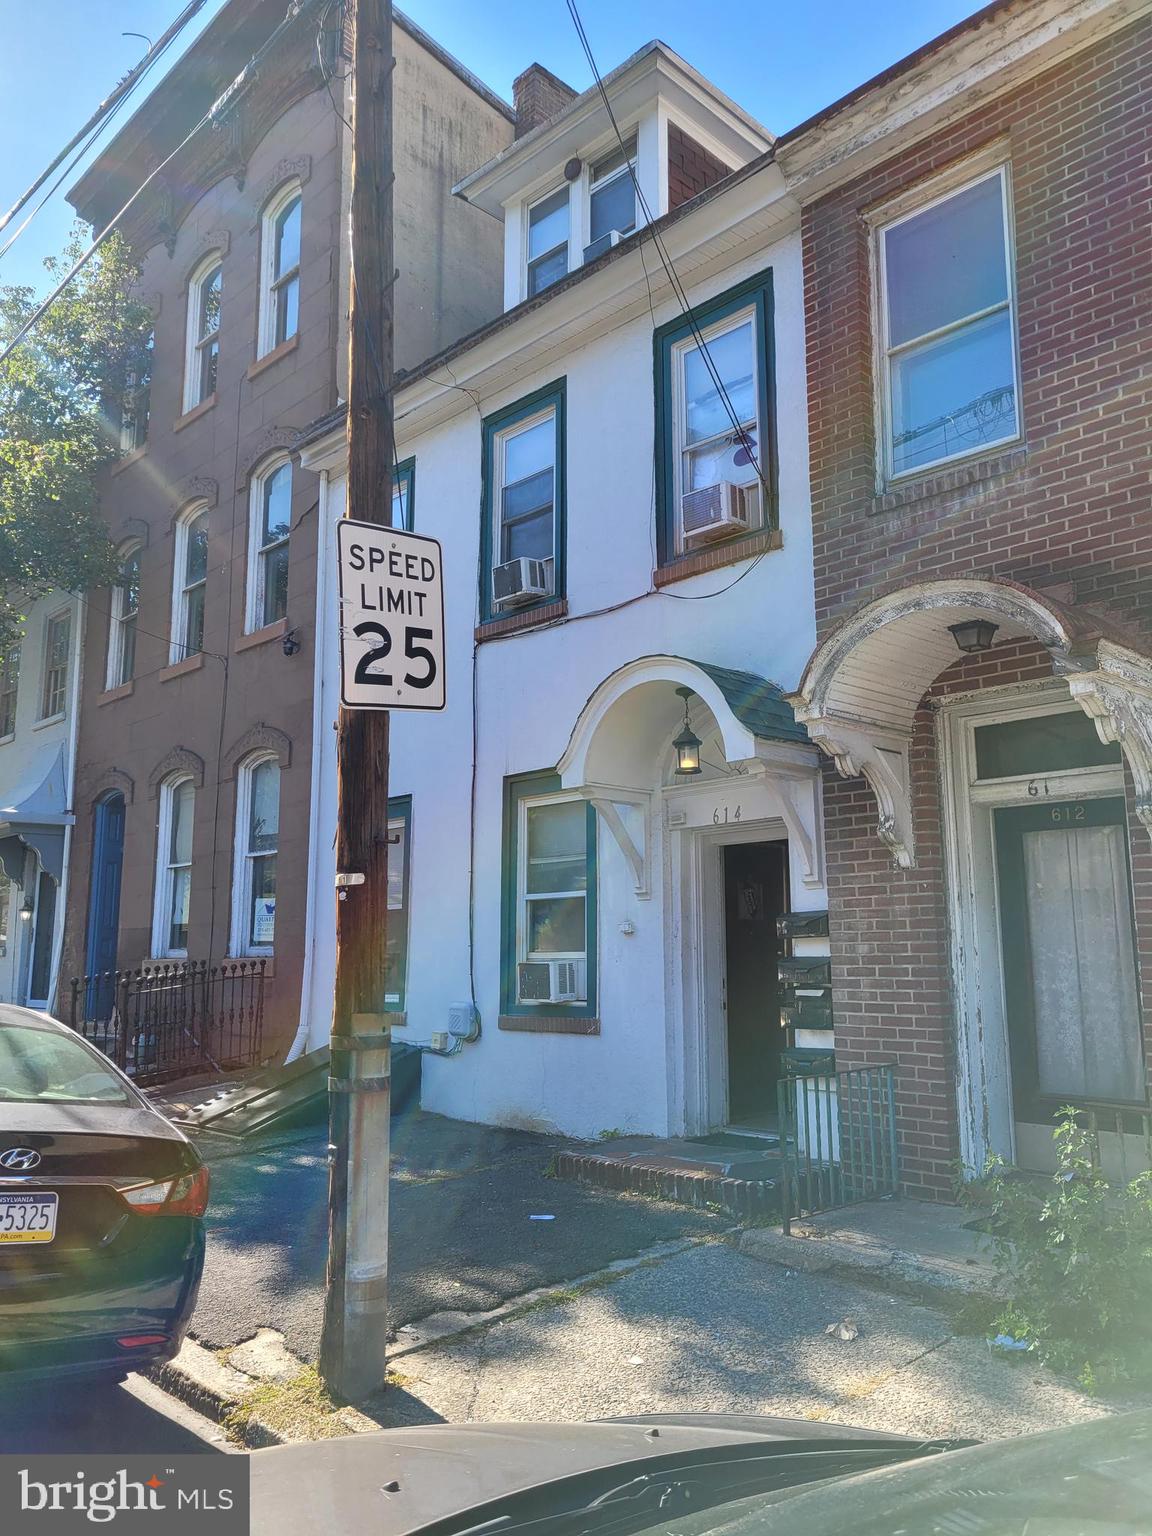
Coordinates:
[192,795]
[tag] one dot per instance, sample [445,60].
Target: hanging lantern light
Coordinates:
[687,744]
[973,635]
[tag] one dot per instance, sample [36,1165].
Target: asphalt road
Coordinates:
[135,1418]
[462,1202]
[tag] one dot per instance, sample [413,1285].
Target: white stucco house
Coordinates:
[627,551]
[39,679]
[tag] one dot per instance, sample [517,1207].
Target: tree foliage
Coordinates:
[59,424]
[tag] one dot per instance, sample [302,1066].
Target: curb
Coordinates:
[196,1377]
[907,1273]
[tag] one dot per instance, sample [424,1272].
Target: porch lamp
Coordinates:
[27,910]
[973,635]
[687,744]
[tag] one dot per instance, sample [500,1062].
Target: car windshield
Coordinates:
[1094,1480]
[39,1066]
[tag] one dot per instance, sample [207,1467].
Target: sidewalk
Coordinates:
[908,1245]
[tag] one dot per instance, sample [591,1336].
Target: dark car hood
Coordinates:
[336,1487]
[85,1119]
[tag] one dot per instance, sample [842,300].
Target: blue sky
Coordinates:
[59,58]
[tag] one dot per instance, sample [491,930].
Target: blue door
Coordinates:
[104,903]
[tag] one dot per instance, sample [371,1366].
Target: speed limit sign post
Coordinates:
[391,618]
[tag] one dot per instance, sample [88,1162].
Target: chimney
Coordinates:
[537,95]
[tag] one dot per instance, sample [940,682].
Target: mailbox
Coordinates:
[802,925]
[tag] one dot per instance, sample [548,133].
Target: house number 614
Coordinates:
[720,817]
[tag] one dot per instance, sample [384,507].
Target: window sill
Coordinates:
[548,1024]
[129,459]
[195,413]
[527,618]
[122,691]
[262,636]
[4,740]
[255,369]
[182,668]
[944,482]
[42,725]
[712,558]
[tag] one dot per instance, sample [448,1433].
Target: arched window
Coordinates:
[270,516]
[189,582]
[280,269]
[173,888]
[123,608]
[203,343]
[254,864]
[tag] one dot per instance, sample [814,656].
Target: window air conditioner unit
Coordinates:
[604,243]
[551,981]
[717,511]
[519,581]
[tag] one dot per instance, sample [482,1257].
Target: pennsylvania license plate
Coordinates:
[28,1218]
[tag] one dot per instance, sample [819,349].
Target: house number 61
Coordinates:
[719,819]
[1038,787]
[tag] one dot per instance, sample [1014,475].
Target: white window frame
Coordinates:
[514,429]
[10,686]
[118,615]
[258,551]
[271,281]
[48,690]
[680,450]
[242,858]
[194,344]
[166,868]
[530,261]
[181,587]
[534,802]
[891,218]
[592,186]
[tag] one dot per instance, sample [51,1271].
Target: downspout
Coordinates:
[300,1042]
[80,614]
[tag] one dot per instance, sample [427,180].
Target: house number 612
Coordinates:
[720,817]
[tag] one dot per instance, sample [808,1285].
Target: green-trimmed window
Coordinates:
[715,455]
[549,909]
[523,532]
[404,494]
[399,881]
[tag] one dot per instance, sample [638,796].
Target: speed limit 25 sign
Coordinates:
[391,618]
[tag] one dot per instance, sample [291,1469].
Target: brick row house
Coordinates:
[192,798]
[886,559]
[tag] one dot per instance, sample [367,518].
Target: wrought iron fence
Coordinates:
[163,1022]
[837,1140]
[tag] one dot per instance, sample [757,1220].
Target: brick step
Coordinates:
[700,1183]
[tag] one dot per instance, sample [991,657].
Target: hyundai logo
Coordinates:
[20,1159]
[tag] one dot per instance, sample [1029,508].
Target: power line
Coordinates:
[682,298]
[107,107]
[666,260]
[218,107]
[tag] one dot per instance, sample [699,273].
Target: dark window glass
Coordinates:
[1045,745]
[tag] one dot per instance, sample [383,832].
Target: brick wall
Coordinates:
[537,95]
[691,167]
[1072,505]
[1078,144]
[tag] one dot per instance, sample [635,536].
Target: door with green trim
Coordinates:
[1069,958]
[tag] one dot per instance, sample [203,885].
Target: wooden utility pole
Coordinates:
[353,1347]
